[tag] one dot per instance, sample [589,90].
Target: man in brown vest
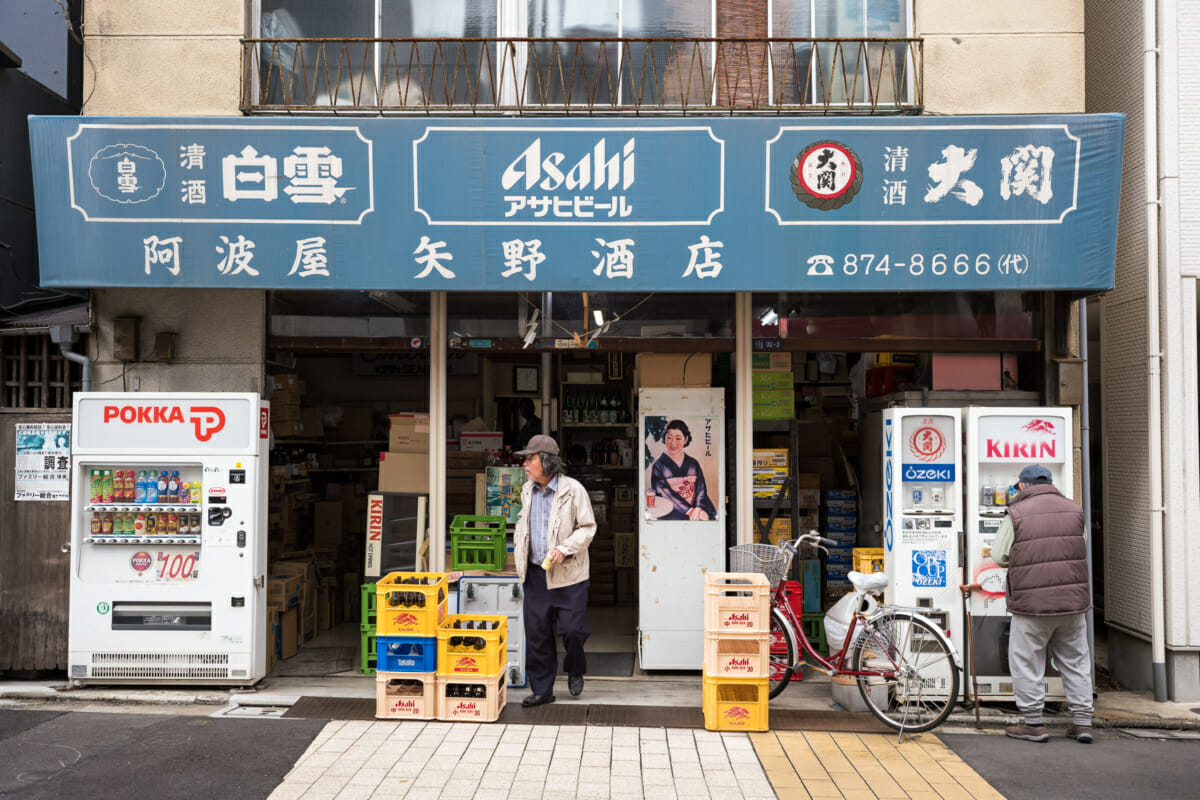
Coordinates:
[1043,543]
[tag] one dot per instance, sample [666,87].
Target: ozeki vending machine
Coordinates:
[168,538]
[1000,441]
[922,513]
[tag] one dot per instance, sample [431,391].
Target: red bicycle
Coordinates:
[906,668]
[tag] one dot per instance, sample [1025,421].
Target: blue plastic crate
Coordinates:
[811,578]
[406,653]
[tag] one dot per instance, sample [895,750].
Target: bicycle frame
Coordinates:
[835,664]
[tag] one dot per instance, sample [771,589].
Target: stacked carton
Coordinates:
[737,660]
[286,391]
[773,395]
[841,525]
[405,465]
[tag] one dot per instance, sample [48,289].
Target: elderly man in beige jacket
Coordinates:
[554,528]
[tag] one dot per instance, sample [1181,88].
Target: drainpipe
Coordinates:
[64,336]
[1154,355]
[547,331]
[1085,476]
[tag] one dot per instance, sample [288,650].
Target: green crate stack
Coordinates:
[478,542]
[367,655]
[814,629]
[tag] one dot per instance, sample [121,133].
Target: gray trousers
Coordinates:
[1064,636]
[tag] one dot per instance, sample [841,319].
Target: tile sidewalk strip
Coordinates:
[418,760]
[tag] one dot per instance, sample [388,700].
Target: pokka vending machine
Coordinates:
[1000,442]
[922,512]
[168,538]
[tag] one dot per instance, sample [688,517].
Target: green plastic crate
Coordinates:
[478,542]
[367,654]
[367,620]
[814,629]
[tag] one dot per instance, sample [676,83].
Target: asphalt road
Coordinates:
[1114,766]
[51,754]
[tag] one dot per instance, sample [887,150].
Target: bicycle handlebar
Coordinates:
[812,537]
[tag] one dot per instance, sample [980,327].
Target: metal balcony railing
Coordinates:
[582,76]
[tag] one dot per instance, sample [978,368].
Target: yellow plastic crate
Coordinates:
[737,602]
[464,659]
[868,559]
[406,609]
[735,704]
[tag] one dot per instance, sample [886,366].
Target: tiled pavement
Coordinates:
[428,760]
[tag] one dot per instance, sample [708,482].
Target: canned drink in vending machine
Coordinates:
[918,498]
[987,495]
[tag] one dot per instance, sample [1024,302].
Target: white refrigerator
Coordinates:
[168,538]
[1000,442]
[681,520]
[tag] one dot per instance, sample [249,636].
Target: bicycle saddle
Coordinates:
[870,583]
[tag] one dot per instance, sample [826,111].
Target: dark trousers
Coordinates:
[544,607]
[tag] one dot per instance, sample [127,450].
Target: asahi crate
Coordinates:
[466,649]
[742,655]
[737,602]
[735,704]
[405,695]
[478,699]
[410,609]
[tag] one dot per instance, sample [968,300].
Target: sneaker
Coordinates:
[1081,733]
[1030,733]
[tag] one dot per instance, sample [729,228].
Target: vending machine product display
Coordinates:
[168,538]
[1000,441]
[922,514]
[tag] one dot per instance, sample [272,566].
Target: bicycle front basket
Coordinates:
[764,558]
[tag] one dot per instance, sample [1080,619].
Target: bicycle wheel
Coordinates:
[783,653]
[920,682]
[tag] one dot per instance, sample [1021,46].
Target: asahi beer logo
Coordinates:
[826,175]
[738,665]
[736,620]
[467,708]
[141,561]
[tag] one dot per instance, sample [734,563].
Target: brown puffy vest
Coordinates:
[1047,566]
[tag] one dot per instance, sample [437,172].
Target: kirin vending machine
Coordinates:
[922,512]
[168,538]
[1000,441]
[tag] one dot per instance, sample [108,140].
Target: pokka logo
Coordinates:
[927,444]
[405,620]
[466,664]
[737,715]
[826,175]
[141,561]
[208,420]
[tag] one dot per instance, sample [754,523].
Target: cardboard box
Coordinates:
[774,398]
[771,380]
[287,641]
[762,413]
[408,433]
[771,362]
[773,457]
[482,442]
[674,369]
[404,472]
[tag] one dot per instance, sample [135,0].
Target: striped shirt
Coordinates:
[541,502]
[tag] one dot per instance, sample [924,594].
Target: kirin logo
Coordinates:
[466,664]
[737,714]
[1039,426]
[405,620]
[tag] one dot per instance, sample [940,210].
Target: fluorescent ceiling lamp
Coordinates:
[769,317]
[598,317]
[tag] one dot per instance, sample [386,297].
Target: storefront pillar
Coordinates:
[437,428]
[743,419]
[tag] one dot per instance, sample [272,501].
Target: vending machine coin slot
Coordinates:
[241,538]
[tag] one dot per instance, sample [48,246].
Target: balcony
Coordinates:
[584,76]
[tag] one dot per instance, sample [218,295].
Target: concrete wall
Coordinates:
[1012,57]
[151,57]
[220,343]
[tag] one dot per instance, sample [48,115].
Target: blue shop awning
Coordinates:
[618,204]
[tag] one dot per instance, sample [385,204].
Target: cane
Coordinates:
[966,593]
